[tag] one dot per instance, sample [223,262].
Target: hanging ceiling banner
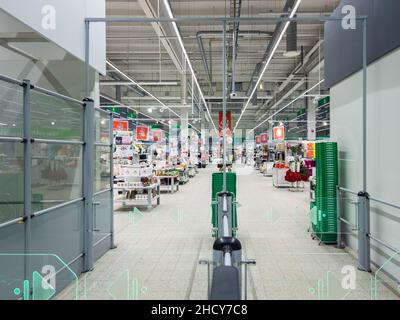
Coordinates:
[258,139]
[142,133]
[228,123]
[120,125]
[264,138]
[157,135]
[279,133]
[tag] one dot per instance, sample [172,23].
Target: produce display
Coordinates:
[167,172]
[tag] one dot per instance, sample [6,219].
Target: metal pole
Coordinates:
[27,179]
[364,105]
[88,155]
[234,63]
[87,41]
[245,281]
[113,246]
[364,261]
[339,238]
[224,104]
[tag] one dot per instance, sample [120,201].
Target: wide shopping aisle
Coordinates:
[199,152]
[158,251]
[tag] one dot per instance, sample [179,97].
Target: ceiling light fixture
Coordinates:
[293,12]
[178,35]
[287,105]
[128,107]
[138,85]
[150,110]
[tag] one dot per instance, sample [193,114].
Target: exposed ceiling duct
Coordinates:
[288,6]
[291,41]
[216,34]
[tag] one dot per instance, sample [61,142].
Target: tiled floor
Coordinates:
[158,251]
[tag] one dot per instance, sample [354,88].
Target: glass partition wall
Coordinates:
[55,203]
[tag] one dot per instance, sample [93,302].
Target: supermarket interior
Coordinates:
[199,150]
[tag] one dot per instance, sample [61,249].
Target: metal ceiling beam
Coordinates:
[142,83]
[163,37]
[288,5]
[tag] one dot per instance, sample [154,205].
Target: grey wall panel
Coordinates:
[11,260]
[102,215]
[101,248]
[59,232]
[343,48]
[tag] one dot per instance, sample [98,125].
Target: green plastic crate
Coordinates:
[325,226]
[217,185]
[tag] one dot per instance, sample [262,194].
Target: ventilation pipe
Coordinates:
[235,45]
[291,41]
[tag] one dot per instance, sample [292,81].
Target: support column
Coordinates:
[204,138]
[27,182]
[311,119]
[88,154]
[184,115]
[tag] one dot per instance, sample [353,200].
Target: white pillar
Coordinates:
[184,119]
[311,120]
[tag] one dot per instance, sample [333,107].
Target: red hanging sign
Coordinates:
[157,135]
[142,133]
[279,133]
[119,125]
[258,139]
[264,138]
[228,123]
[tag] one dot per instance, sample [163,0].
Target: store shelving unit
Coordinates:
[171,185]
[145,196]
[192,170]
[183,175]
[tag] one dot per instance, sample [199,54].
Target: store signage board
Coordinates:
[142,133]
[157,135]
[130,114]
[258,139]
[264,138]
[119,125]
[279,133]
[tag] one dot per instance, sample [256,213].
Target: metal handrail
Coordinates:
[347,190]
[11,222]
[388,246]
[11,139]
[56,141]
[58,95]
[396,206]
[385,203]
[9,79]
[101,192]
[62,205]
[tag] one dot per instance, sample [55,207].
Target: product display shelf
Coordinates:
[278,178]
[138,195]
[192,170]
[183,175]
[171,183]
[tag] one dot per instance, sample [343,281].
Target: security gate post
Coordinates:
[88,158]
[364,261]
